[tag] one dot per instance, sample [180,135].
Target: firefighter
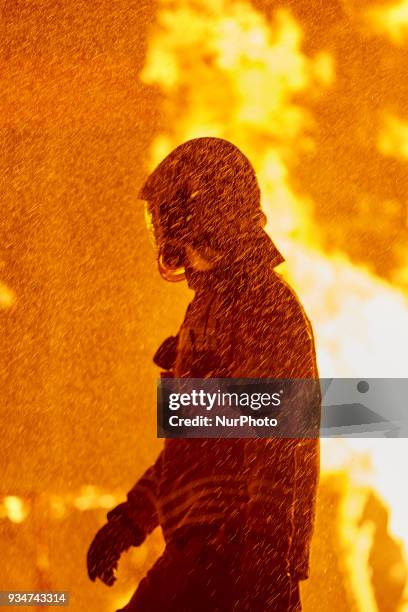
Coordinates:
[237,514]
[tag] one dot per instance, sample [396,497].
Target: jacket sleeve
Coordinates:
[140,508]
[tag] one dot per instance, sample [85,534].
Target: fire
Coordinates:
[14,508]
[225,70]
[392,21]
[7,296]
[393,140]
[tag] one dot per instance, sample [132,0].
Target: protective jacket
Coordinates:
[243,322]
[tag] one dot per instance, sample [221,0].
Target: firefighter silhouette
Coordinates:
[237,514]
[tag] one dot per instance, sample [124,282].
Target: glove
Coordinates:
[109,543]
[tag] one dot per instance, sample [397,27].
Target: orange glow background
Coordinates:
[93,95]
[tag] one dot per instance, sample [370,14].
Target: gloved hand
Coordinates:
[116,536]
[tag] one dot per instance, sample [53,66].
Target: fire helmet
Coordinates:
[204,194]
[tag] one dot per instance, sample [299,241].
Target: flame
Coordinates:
[91,497]
[392,21]
[393,139]
[14,508]
[357,543]
[7,296]
[226,70]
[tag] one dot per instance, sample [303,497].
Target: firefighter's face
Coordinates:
[168,240]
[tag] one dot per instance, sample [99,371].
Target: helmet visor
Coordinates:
[170,256]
